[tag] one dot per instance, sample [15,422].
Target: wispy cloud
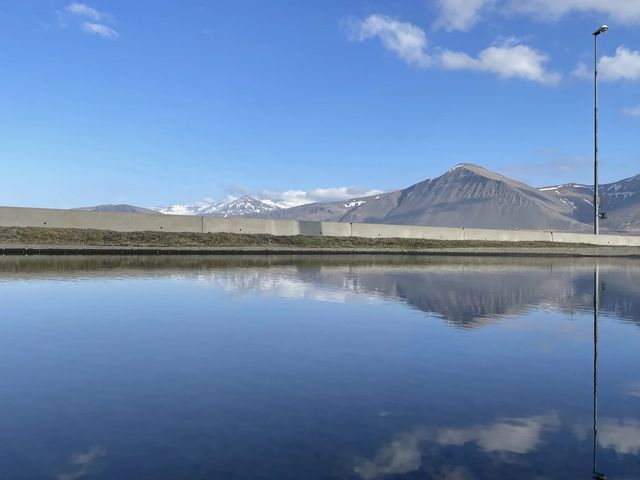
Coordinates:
[510,59]
[406,40]
[505,436]
[100,30]
[461,14]
[83,10]
[401,456]
[632,111]
[294,198]
[89,20]
[623,11]
[80,463]
[583,71]
[506,61]
[633,388]
[516,435]
[563,168]
[283,199]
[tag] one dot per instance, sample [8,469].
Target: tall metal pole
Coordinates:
[596,196]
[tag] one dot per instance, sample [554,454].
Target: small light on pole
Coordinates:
[596,196]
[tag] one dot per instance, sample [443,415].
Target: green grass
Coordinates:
[104,238]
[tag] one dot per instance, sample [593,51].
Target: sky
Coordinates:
[158,103]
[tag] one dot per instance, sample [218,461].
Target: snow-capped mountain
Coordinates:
[470,196]
[621,200]
[466,195]
[197,209]
[245,206]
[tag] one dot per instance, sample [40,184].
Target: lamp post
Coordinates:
[596,196]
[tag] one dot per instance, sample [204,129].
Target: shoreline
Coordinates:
[471,251]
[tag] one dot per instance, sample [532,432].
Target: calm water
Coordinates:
[317,368]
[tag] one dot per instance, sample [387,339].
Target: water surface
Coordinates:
[318,368]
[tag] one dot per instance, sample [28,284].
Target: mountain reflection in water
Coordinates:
[319,368]
[465,292]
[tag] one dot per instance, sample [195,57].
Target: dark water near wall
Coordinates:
[317,368]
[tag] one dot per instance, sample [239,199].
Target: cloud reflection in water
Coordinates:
[81,463]
[505,436]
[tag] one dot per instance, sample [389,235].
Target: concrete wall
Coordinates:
[120,222]
[250,225]
[130,222]
[371,230]
[507,235]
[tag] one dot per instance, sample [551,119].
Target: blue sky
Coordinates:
[154,103]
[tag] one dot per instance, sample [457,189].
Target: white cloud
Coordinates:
[294,198]
[409,42]
[624,11]
[517,435]
[624,65]
[275,284]
[633,112]
[83,10]
[81,463]
[282,199]
[100,30]
[583,71]
[464,14]
[404,453]
[506,61]
[401,456]
[460,14]
[87,19]
[621,435]
[406,40]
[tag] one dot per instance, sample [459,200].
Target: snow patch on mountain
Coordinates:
[200,209]
[246,205]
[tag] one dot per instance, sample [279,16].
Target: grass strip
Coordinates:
[107,238]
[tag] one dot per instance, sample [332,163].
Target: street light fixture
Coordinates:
[596,196]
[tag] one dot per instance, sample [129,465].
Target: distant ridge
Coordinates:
[467,195]
[246,205]
[122,208]
[243,206]
[621,201]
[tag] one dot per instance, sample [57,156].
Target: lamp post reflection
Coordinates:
[596,308]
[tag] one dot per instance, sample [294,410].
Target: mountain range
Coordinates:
[244,206]
[121,208]
[467,195]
